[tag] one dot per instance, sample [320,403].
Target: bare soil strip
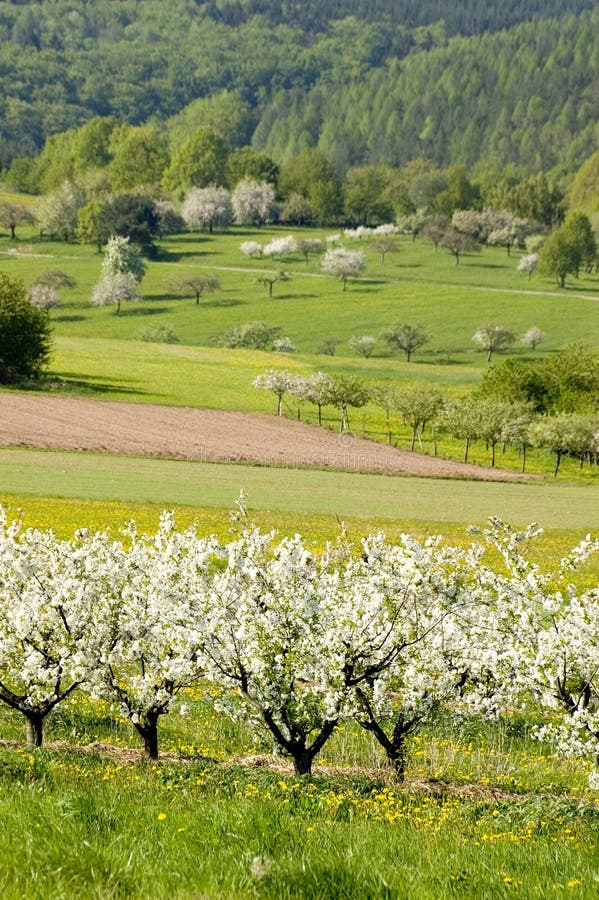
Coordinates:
[70,423]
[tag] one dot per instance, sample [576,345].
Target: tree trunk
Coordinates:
[523,457]
[558,459]
[397,757]
[149,732]
[35,729]
[319,414]
[466,449]
[13,236]
[492,454]
[280,401]
[302,762]
[197,298]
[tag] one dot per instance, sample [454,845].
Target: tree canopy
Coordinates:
[25,333]
[366,83]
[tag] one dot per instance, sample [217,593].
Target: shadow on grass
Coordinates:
[152,311]
[90,386]
[57,382]
[223,303]
[172,256]
[67,319]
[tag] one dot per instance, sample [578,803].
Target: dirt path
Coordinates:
[69,423]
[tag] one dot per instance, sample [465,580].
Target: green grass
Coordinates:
[96,352]
[486,812]
[294,491]
[503,817]
[414,285]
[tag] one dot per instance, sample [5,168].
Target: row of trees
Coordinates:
[309,190]
[478,417]
[294,642]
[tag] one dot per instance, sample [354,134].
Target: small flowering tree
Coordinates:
[305,246]
[268,638]
[398,618]
[251,248]
[528,263]
[318,389]
[279,247]
[346,391]
[41,296]
[153,625]
[208,207]
[343,264]
[533,337]
[51,596]
[384,245]
[493,337]
[253,202]
[277,381]
[116,289]
[123,268]
[363,344]
[547,631]
[121,258]
[283,345]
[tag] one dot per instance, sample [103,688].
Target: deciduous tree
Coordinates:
[197,286]
[25,334]
[343,264]
[14,214]
[208,207]
[406,337]
[493,337]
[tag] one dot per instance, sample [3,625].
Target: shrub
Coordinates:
[284,345]
[25,334]
[157,334]
[251,335]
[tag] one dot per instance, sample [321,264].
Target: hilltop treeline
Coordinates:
[376,82]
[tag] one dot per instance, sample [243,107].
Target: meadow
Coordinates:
[97,352]
[486,810]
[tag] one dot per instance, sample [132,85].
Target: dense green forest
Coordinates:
[367,82]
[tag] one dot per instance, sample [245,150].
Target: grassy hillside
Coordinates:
[414,285]
[98,352]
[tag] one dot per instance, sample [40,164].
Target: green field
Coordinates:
[295,491]
[96,352]
[486,811]
[414,285]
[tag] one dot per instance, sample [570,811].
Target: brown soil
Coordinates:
[69,423]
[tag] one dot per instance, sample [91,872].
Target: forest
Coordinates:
[365,83]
